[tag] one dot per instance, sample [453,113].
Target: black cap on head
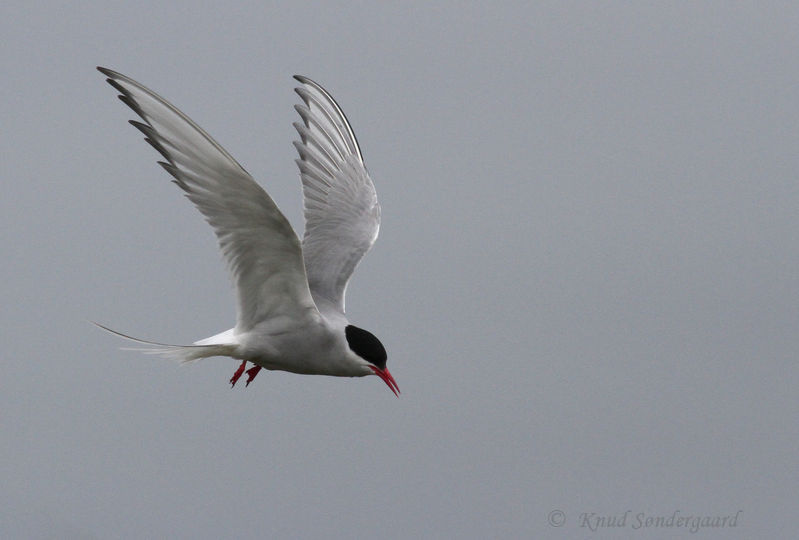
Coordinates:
[366,345]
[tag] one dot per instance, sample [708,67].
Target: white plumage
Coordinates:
[290,308]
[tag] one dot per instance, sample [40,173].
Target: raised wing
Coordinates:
[342,215]
[262,251]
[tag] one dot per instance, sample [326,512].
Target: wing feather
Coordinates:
[262,251]
[342,214]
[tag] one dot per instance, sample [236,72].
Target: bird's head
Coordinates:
[369,349]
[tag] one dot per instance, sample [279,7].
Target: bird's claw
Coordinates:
[236,376]
[251,373]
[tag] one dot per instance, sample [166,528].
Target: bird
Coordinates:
[290,293]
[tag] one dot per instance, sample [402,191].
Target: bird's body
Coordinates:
[316,346]
[290,293]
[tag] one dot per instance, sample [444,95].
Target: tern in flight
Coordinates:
[290,293]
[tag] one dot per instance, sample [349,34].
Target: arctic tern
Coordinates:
[290,293]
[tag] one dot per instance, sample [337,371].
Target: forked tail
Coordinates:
[181,353]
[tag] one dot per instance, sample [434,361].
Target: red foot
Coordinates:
[251,373]
[238,373]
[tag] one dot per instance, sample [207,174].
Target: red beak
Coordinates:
[387,378]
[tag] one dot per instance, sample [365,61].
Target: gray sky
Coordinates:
[586,277]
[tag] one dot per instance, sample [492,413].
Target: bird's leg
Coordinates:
[251,373]
[238,373]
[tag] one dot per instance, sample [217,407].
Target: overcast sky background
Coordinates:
[586,276]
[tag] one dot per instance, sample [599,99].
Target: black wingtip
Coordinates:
[118,87]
